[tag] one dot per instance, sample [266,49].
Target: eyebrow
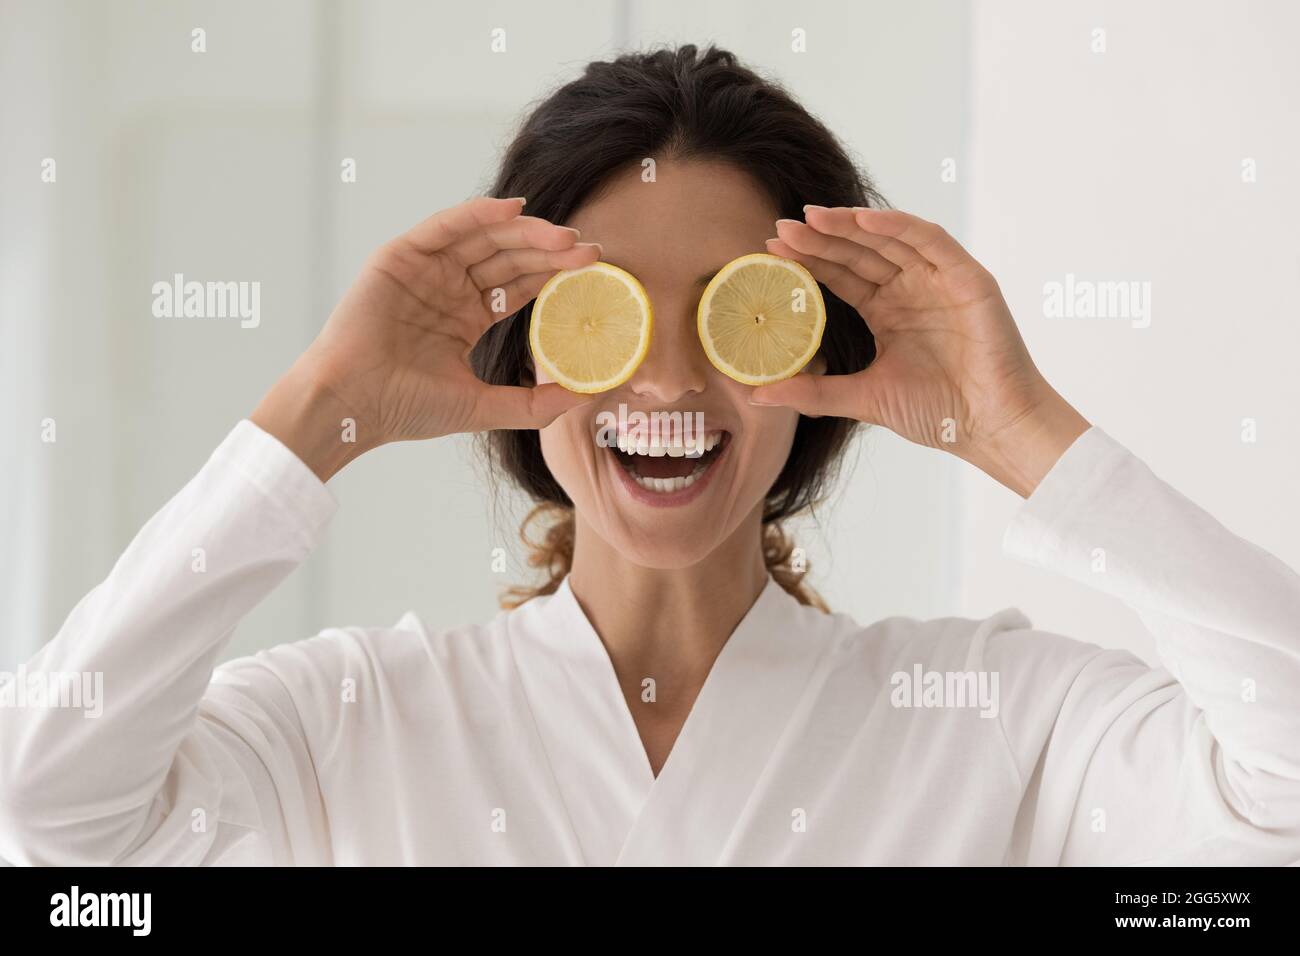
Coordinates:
[700,281]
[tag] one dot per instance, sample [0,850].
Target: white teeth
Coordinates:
[699,448]
[690,449]
[669,485]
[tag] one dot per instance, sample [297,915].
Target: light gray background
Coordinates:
[225,166]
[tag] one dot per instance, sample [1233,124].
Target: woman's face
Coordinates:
[673,235]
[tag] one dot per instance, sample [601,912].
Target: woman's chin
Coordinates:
[665,549]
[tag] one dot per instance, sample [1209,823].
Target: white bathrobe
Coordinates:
[814,740]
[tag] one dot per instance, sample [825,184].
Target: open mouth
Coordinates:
[668,469]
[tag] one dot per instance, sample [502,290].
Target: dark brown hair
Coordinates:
[677,103]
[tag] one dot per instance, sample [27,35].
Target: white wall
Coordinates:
[1127,164]
[167,161]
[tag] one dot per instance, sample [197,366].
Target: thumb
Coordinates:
[513,406]
[841,396]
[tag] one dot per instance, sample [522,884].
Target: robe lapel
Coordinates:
[735,725]
[591,743]
[619,811]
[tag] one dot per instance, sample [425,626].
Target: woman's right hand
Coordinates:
[394,355]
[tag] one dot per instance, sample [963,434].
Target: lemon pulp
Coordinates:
[761,319]
[590,327]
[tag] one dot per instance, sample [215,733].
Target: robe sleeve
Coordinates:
[175,769]
[1196,761]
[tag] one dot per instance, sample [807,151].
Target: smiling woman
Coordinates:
[731,153]
[667,695]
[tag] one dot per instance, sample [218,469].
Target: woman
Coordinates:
[672,694]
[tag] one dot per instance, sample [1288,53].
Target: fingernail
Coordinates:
[576,232]
[810,206]
[759,401]
[795,221]
[519,199]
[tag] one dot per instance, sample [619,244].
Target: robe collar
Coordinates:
[620,812]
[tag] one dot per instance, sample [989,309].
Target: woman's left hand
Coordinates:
[951,370]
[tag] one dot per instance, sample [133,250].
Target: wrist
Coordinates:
[1021,454]
[312,421]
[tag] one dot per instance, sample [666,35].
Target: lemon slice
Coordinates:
[591,327]
[761,319]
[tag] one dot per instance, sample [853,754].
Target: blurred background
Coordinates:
[1112,141]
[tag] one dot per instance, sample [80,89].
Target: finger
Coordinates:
[507,299]
[842,396]
[841,280]
[443,228]
[522,232]
[516,406]
[929,240]
[898,254]
[511,263]
[844,249]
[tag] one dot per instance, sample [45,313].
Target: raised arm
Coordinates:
[174,769]
[1121,762]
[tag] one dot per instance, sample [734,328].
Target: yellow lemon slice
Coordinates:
[591,327]
[761,319]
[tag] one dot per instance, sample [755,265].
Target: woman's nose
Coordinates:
[676,366]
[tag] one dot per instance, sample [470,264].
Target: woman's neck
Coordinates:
[669,622]
[664,629]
